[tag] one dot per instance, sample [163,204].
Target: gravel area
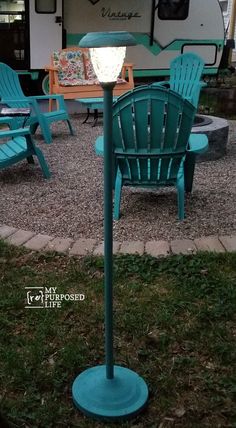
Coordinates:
[70,204]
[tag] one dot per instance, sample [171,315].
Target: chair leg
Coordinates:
[42,162]
[45,128]
[33,128]
[70,127]
[88,114]
[180,189]
[117,196]
[189,166]
[30,159]
[32,150]
[50,104]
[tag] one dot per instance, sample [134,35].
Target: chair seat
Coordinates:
[12,148]
[198,144]
[18,147]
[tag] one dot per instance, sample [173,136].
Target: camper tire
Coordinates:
[45,84]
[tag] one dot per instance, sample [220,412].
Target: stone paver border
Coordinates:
[82,246]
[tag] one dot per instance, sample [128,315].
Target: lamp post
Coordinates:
[108,391]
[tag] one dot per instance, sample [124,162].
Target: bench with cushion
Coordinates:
[71,74]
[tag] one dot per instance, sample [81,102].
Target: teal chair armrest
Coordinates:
[16,100]
[7,120]
[58,98]
[99,146]
[197,144]
[46,97]
[15,133]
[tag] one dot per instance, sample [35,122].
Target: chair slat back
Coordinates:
[151,128]
[185,73]
[10,88]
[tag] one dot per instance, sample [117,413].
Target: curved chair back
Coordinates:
[185,74]
[10,88]
[151,128]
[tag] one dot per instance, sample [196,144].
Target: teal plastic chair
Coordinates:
[19,146]
[12,95]
[185,76]
[152,142]
[11,122]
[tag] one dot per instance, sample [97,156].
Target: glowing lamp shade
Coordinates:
[107,52]
[107,62]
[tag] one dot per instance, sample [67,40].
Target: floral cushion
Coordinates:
[90,73]
[70,66]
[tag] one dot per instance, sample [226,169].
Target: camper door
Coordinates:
[45,30]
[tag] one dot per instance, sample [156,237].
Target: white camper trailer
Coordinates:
[30,30]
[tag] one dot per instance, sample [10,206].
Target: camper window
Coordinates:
[45,6]
[173,9]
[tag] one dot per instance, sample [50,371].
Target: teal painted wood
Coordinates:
[151,131]
[12,95]
[185,74]
[20,146]
[11,122]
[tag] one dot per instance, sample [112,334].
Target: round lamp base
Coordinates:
[122,397]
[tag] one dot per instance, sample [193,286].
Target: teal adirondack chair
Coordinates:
[185,74]
[152,142]
[11,122]
[19,146]
[12,95]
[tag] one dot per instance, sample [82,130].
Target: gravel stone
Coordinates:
[70,203]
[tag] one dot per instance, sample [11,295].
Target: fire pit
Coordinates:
[217,130]
[202,120]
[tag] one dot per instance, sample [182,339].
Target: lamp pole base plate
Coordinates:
[119,398]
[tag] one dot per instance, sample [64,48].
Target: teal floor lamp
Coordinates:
[108,391]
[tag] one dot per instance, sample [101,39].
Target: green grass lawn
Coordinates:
[175,324]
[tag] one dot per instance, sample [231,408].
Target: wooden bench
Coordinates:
[71,74]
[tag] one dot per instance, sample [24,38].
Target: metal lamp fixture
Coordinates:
[108,391]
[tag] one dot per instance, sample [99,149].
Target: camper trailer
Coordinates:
[30,30]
